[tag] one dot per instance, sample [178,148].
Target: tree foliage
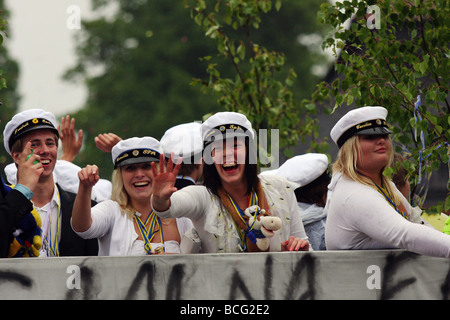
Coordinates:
[403,65]
[138,66]
[9,72]
[261,87]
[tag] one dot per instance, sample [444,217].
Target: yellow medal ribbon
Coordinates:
[148,234]
[50,241]
[387,196]
[253,200]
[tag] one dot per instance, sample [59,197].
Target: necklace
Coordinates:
[388,197]
[148,233]
[253,200]
[50,241]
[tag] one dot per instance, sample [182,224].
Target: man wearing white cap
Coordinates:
[53,204]
[364,208]
[65,172]
[185,141]
[230,186]
[309,176]
[126,224]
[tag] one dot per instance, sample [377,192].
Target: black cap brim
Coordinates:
[31,129]
[127,162]
[374,131]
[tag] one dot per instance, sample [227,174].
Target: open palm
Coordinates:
[164,182]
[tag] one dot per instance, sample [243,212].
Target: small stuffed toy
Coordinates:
[27,237]
[261,226]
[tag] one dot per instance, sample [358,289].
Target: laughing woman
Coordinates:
[365,210]
[231,185]
[126,224]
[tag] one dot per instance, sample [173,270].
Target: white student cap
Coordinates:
[223,125]
[135,150]
[365,120]
[303,169]
[184,140]
[25,122]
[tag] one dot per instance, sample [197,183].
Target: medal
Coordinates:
[159,250]
[243,235]
[148,233]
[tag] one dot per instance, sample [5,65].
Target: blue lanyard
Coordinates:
[250,233]
[388,199]
[148,234]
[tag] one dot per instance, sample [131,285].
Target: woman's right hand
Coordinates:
[164,182]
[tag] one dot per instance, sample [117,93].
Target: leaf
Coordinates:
[278,5]
[447,204]
[211,31]
[241,51]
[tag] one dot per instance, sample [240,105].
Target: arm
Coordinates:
[81,214]
[298,240]
[381,222]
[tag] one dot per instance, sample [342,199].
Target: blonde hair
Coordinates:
[346,165]
[120,195]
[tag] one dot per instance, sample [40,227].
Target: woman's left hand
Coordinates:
[295,244]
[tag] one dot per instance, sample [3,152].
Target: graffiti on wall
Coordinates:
[279,276]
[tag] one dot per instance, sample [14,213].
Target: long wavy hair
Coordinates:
[346,165]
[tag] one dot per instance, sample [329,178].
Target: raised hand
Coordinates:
[106,141]
[71,144]
[88,176]
[29,168]
[164,182]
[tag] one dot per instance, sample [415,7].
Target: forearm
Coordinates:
[188,202]
[81,213]
[159,204]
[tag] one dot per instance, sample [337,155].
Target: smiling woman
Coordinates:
[126,224]
[364,208]
[232,194]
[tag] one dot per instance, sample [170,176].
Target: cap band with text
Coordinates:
[150,154]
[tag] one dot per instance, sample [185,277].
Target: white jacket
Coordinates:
[115,230]
[215,226]
[359,217]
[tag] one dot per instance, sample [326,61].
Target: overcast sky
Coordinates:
[43,45]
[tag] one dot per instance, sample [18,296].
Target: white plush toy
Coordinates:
[261,227]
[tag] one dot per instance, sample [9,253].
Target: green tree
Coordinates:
[144,57]
[395,54]
[147,54]
[262,84]
[9,73]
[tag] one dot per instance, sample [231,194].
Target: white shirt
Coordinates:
[50,215]
[359,217]
[214,224]
[115,231]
